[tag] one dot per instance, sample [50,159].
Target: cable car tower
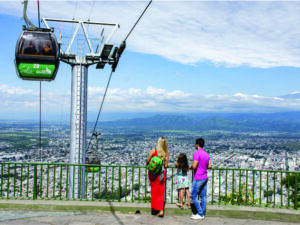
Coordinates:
[32,63]
[39,63]
[79,86]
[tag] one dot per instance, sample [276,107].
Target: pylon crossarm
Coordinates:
[82,24]
[111,33]
[72,40]
[77,21]
[87,38]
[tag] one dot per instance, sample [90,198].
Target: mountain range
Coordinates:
[283,122]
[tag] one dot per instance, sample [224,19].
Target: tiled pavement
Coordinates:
[30,217]
[73,218]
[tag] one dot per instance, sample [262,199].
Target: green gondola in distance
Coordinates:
[37,55]
[92,159]
[92,169]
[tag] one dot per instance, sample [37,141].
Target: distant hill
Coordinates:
[291,96]
[169,122]
[284,122]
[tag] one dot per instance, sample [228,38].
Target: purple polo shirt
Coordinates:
[202,157]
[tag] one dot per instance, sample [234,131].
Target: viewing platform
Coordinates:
[87,212]
[37,193]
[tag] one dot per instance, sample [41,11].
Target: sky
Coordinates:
[183,57]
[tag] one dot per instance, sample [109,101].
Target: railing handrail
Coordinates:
[139,166]
[130,183]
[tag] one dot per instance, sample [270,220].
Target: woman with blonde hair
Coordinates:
[158,181]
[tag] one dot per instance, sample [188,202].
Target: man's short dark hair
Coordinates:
[200,142]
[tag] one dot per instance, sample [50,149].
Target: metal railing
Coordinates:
[130,184]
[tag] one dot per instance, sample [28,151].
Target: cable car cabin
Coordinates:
[37,56]
[92,160]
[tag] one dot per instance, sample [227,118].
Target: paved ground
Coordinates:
[73,218]
[25,214]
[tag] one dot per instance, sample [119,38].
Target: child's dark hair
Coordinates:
[182,162]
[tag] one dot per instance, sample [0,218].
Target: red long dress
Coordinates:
[157,189]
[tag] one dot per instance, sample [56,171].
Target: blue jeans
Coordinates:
[199,186]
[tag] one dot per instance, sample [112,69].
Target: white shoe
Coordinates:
[197,217]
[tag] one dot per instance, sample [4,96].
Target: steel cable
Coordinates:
[129,33]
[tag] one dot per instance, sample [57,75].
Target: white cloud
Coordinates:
[31,104]
[4,89]
[95,90]
[254,33]
[150,99]
[19,99]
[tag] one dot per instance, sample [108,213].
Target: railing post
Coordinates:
[267,188]
[233,191]
[126,176]
[166,173]
[93,185]
[253,187]
[73,181]
[288,174]
[106,182]
[226,186]
[15,174]
[7,185]
[112,183]
[274,187]
[119,188]
[21,182]
[67,181]
[41,183]
[296,191]
[27,188]
[34,181]
[99,184]
[132,183]
[60,181]
[260,178]
[48,168]
[80,183]
[139,192]
[240,187]
[281,204]
[1,180]
[212,186]
[246,187]
[145,184]
[86,183]
[54,174]
[219,186]
[172,186]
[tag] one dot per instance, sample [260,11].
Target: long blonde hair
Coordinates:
[161,148]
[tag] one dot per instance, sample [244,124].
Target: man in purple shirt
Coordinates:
[201,162]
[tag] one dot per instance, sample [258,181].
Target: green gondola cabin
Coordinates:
[95,161]
[37,55]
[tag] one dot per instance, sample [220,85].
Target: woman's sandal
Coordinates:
[188,205]
[179,205]
[160,214]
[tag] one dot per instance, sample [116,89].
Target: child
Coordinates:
[183,181]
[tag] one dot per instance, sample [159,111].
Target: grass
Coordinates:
[238,214]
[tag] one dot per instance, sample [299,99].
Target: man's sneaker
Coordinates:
[197,217]
[193,216]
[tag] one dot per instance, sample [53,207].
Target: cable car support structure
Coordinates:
[79,83]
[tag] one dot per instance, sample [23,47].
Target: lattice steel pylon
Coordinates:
[80,64]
